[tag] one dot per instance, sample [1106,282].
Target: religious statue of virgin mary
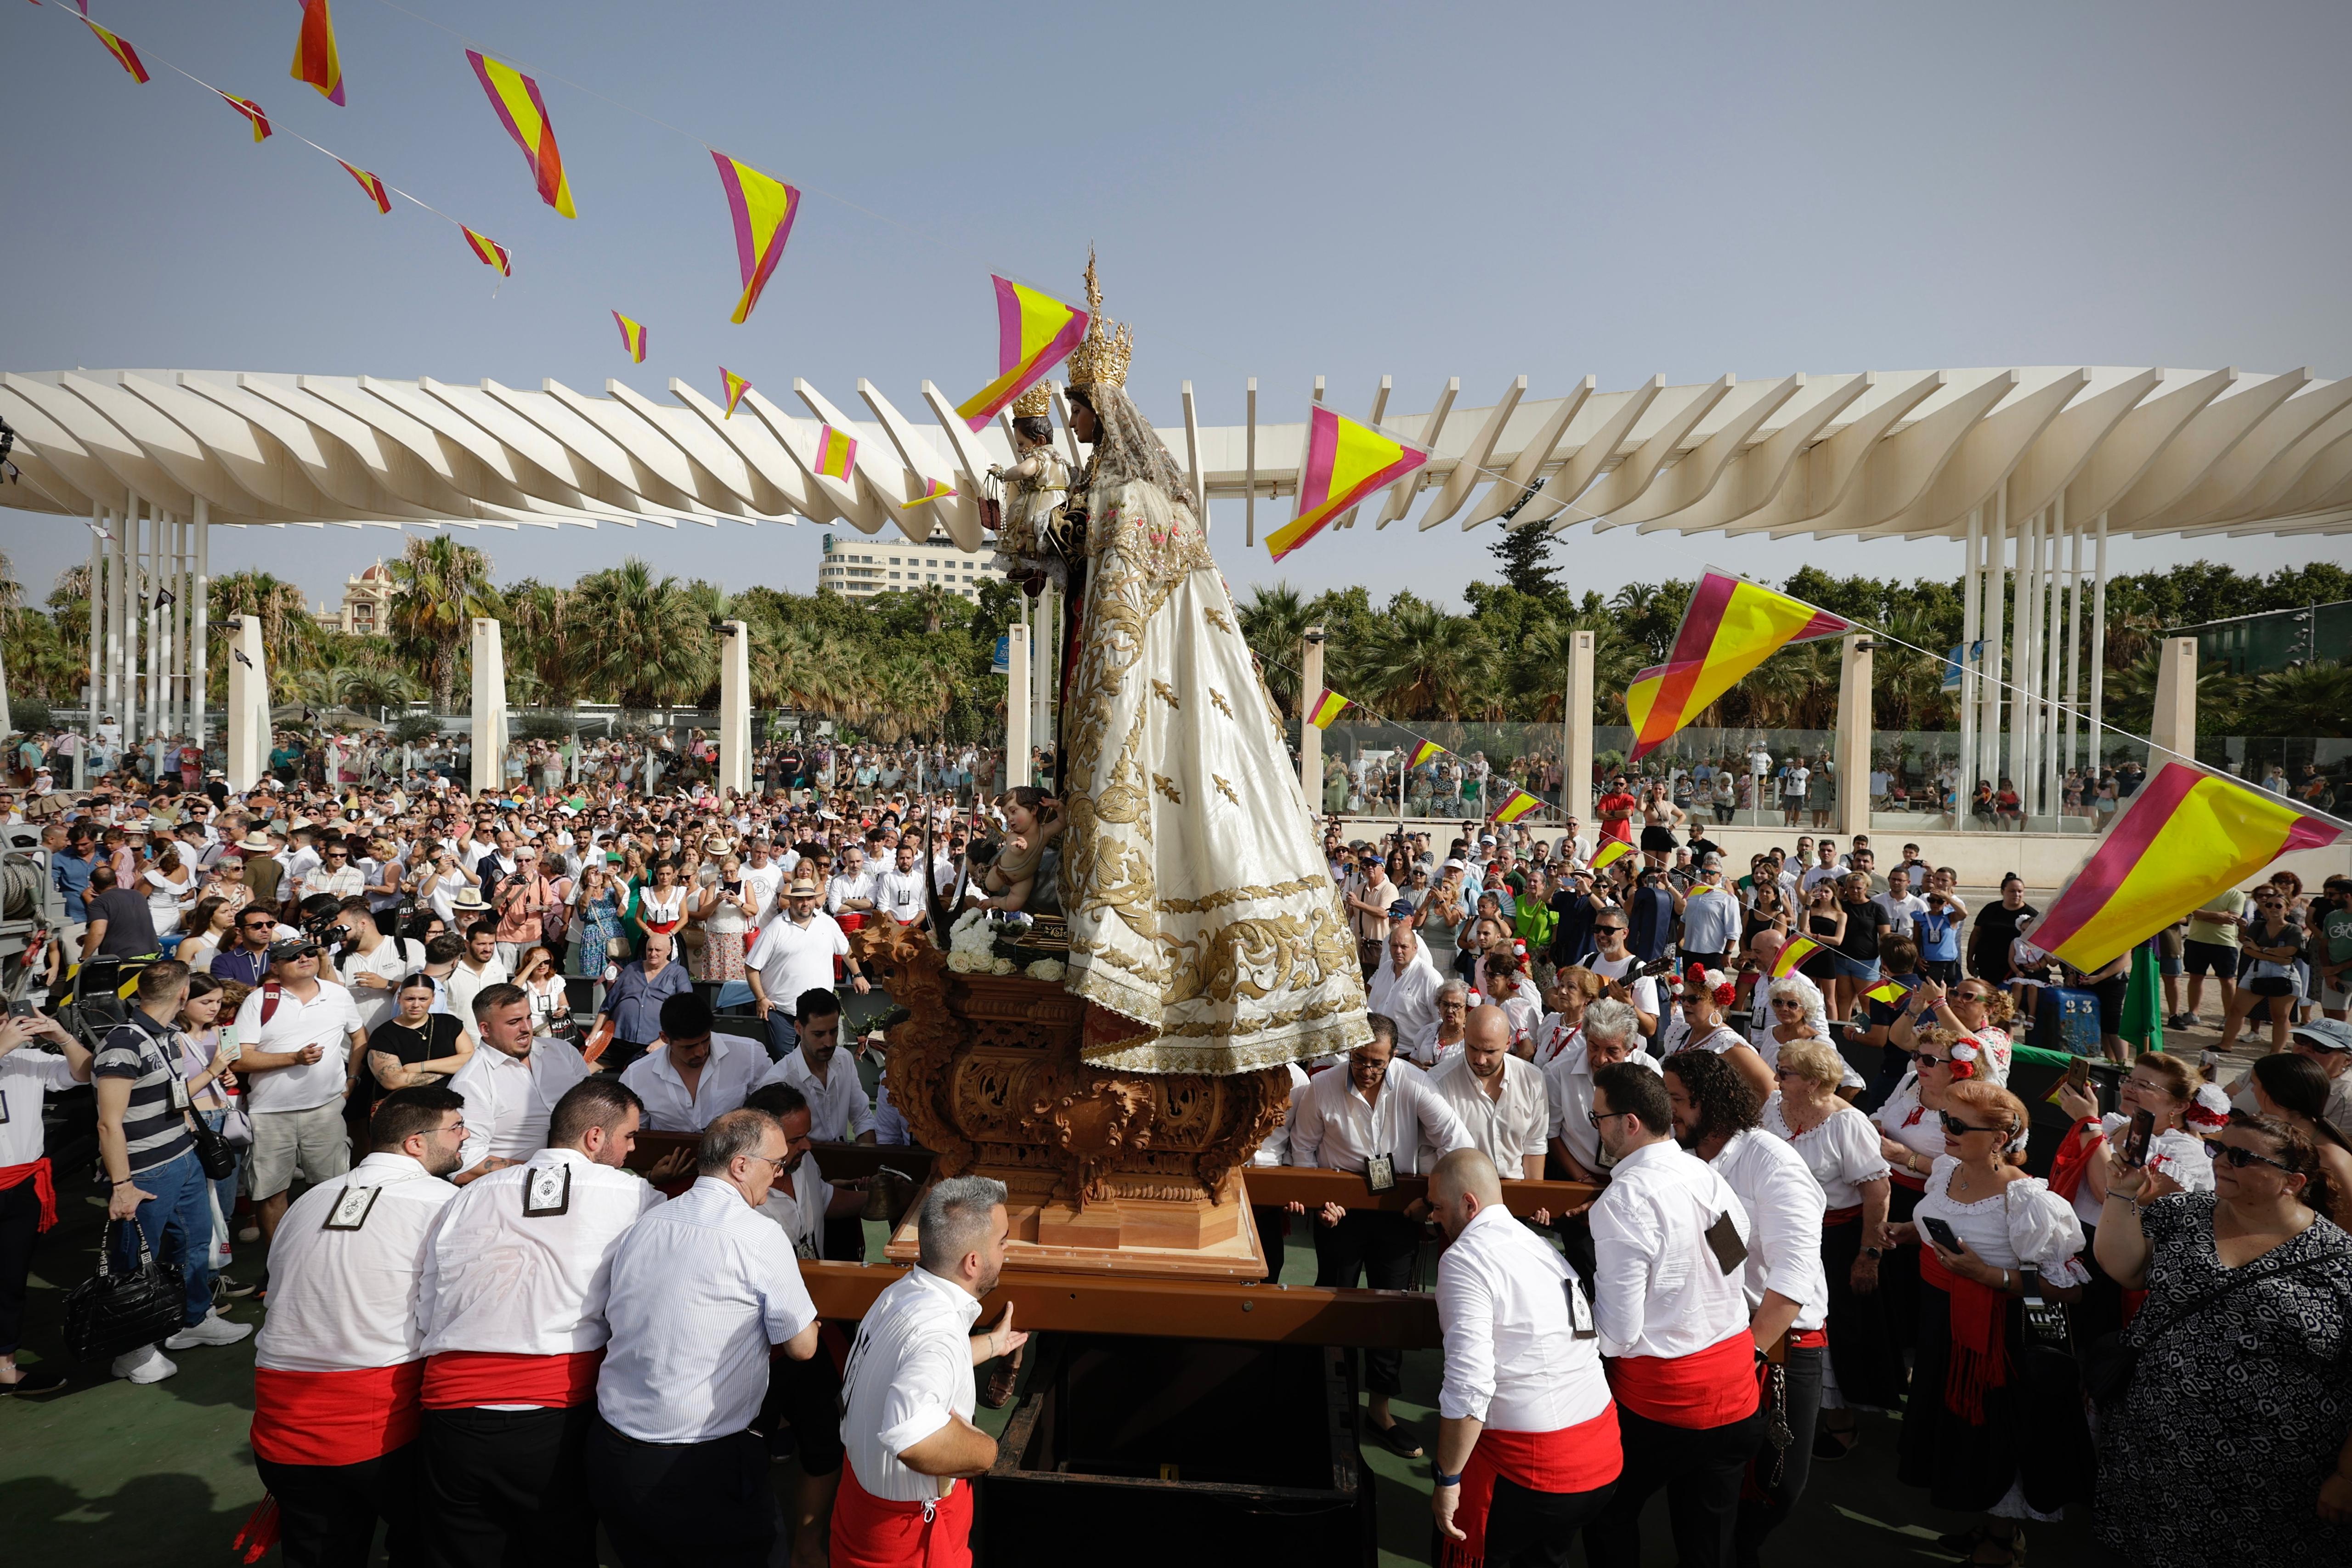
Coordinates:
[1205,930]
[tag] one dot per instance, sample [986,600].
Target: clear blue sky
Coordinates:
[1278,191]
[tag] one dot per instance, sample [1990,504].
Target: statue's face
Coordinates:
[1083,423]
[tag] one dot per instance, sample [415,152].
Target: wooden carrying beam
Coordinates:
[1182,1310]
[835,1161]
[1272,1185]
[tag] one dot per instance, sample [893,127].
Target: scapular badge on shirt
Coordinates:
[3,1107]
[546,1190]
[1579,1309]
[351,1209]
[1723,1241]
[1380,1172]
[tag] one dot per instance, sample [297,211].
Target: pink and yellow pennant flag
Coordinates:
[515,98]
[1035,332]
[1890,993]
[1612,850]
[1425,752]
[1519,806]
[251,111]
[315,60]
[1730,628]
[836,453]
[934,490]
[491,252]
[736,387]
[124,54]
[2186,834]
[1793,952]
[1344,463]
[764,210]
[633,337]
[1327,709]
[370,184]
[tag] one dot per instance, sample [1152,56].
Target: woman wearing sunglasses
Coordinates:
[1970,1436]
[1697,1025]
[2166,1088]
[1795,1010]
[1977,1008]
[2247,1322]
[1910,1136]
[2294,1090]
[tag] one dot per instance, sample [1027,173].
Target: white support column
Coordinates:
[97,644]
[248,704]
[1853,736]
[175,645]
[2099,644]
[489,706]
[1996,588]
[735,708]
[1310,739]
[1576,780]
[200,635]
[2021,705]
[2173,726]
[1017,712]
[151,628]
[1964,783]
[2052,781]
[2074,650]
[1042,646]
[117,563]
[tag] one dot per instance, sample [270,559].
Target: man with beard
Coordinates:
[909,1393]
[339,1363]
[1499,1098]
[512,1305]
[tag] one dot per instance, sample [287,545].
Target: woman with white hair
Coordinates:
[1799,1013]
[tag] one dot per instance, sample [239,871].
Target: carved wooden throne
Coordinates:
[1107,1171]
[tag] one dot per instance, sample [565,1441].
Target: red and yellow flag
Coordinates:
[1344,463]
[492,252]
[124,54]
[1423,752]
[1035,332]
[315,60]
[250,109]
[836,453]
[764,210]
[933,490]
[736,387]
[1793,952]
[2186,834]
[633,338]
[1730,628]
[1890,993]
[1327,709]
[371,185]
[1519,806]
[515,98]
[1612,850]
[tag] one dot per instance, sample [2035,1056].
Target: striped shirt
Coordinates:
[152,1126]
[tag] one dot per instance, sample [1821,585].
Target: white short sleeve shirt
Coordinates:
[839,1111]
[326,1020]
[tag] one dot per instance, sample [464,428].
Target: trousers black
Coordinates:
[1380,1247]
[327,1513]
[1701,1469]
[509,1488]
[1529,1528]
[1767,1505]
[20,1223]
[686,1505]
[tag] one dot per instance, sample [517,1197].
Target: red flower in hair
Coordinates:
[1724,994]
[1695,977]
[1963,1060]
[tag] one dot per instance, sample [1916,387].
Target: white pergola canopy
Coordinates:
[1864,455]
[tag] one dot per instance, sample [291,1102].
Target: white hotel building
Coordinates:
[860,565]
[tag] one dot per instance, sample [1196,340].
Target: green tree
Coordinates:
[643,641]
[1525,556]
[439,587]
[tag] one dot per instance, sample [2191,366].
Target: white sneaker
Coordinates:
[249,1232]
[146,1365]
[215,1330]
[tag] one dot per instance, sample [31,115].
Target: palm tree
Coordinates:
[1425,663]
[538,640]
[642,641]
[288,628]
[2314,700]
[440,586]
[1272,622]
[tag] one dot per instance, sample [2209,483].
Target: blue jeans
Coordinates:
[178,1223]
[225,1190]
[782,1036]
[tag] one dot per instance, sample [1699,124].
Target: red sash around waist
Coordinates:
[1579,1458]
[1808,1339]
[45,1190]
[1903,1178]
[1713,1387]
[1842,1216]
[334,1417]
[869,1532]
[460,1380]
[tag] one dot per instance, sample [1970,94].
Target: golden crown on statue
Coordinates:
[1101,359]
[1038,402]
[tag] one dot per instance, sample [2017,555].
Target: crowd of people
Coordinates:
[423,1021]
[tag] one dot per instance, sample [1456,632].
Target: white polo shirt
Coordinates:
[1332,1125]
[326,1020]
[499,1279]
[838,1109]
[700,1289]
[1512,1358]
[1506,1129]
[791,959]
[394,960]
[909,1370]
[509,1100]
[343,1300]
[734,1065]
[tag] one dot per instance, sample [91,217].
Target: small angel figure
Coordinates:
[1017,880]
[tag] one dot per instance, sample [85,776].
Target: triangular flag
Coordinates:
[315,60]
[1035,332]
[124,54]
[251,111]
[763,209]
[1425,752]
[937,491]
[1890,993]
[736,387]
[2187,834]
[1327,709]
[492,252]
[1793,952]
[519,109]
[1612,850]
[1519,806]
[836,453]
[1730,628]
[1345,462]
[633,337]
[370,184]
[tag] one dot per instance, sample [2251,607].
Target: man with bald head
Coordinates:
[1527,1446]
[1498,1097]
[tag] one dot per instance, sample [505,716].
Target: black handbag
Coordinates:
[110,1314]
[213,1151]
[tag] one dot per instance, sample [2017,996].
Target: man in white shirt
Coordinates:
[334,874]
[510,1084]
[303,1044]
[1366,1118]
[1612,960]
[1499,1098]
[1899,902]
[1669,1237]
[838,1108]
[763,877]
[1787,1291]
[477,971]
[898,892]
[701,1288]
[374,964]
[692,1077]
[1404,987]
[338,1362]
[512,1304]
[909,1392]
[851,891]
[793,954]
[1524,1398]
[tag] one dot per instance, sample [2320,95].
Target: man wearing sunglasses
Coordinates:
[303,1044]
[1611,960]
[247,962]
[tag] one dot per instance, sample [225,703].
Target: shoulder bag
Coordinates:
[2109,1363]
[110,1314]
